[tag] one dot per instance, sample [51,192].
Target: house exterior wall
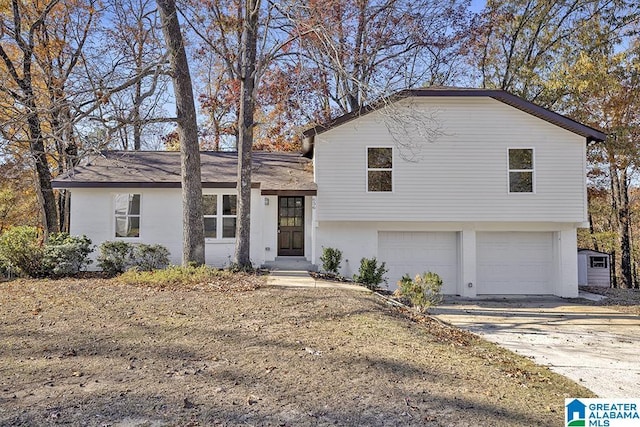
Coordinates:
[92,214]
[461,176]
[455,183]
[357,239]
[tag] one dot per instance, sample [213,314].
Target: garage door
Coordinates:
[416,252]
[514,263]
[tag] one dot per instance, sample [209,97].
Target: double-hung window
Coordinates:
[210,211]
[219,214]
[379,169]
[521,170]
[127,215]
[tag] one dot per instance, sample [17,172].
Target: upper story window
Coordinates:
[219,214]
[379,169]
[127,215]
[521,170]
[598,261]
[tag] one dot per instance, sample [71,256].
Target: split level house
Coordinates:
[479,186]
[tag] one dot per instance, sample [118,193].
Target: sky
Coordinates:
[477,5]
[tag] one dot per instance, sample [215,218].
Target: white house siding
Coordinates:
[92,214]
[462,176]
[357,239]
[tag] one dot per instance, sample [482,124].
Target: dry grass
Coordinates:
[102,353]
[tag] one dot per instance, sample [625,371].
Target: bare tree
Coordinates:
[133,35]
[192,219]
[359,51]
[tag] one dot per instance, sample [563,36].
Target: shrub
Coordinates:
[22,249]
[115,257]
[424,291]
[5,268]
[234,267]
[172,275]
[371,274]
[65,255]
[149,257]
[331,259]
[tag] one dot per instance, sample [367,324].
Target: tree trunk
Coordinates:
[43,173]
[248,48]
[192,219]
[624,230]
[620,202]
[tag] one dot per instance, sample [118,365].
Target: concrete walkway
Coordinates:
[302,279]
[594,346]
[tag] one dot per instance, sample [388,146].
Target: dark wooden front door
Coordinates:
[291,226]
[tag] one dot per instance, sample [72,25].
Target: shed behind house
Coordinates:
[594,268]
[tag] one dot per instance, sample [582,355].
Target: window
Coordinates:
[379,169]
[520,170]
[219,214]
[127,215]
[598,261]
[229,203]
[210,209]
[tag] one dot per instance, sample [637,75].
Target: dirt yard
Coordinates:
[97,353]
[624,300]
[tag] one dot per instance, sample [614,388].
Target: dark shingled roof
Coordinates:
[591,134]
[273,173]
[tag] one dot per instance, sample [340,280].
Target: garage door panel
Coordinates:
[514,263]
[416,252]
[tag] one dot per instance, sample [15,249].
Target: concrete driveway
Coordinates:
[594,346]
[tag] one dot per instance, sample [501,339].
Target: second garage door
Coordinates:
[514,263]
[416,252]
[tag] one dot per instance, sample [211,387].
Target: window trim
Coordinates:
[532,170]
[367,169]
[603,258]
[204,216]
[114,216]
[219,216]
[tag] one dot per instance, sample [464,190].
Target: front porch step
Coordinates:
[290,263]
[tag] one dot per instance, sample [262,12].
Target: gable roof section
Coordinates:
[591,134]
[593,251]
[273,173]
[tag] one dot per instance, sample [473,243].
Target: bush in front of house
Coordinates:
[118,256]
[66,255]
[331,259]
[149,257]
[114,257]
[22,250]
[370,273]
[423,292]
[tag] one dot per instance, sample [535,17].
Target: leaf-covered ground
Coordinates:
[97,353]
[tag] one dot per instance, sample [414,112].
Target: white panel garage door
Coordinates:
[514,263]
[416,252]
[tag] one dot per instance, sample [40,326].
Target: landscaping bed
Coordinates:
[99,352]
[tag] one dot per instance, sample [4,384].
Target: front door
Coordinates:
[290,226]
